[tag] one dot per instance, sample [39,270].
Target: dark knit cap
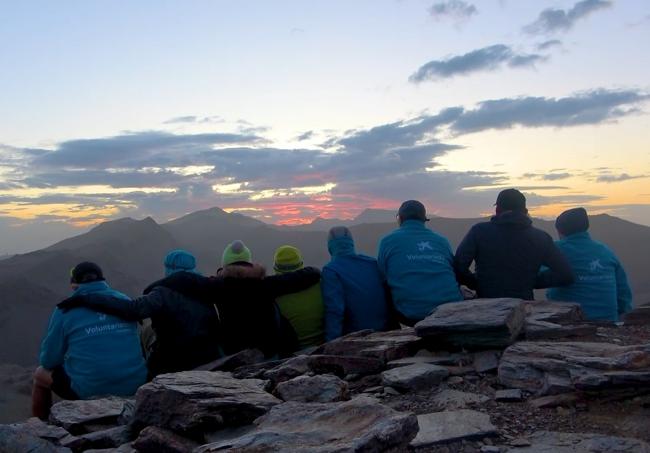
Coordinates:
[572,221]
[86,272]
[511,200]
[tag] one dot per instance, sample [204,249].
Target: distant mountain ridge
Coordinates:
[131,253]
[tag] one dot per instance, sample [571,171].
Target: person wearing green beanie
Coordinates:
[236,253]
[304,310]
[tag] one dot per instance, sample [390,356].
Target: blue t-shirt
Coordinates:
[601,286]
[417,264]
[100,353]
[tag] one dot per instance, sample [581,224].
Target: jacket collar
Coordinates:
[516,218]
[577,236]
[413,224]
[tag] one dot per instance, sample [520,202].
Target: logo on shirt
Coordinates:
[596,266]
[101,316]
[424,245]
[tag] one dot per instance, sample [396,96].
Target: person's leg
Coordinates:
[42,393]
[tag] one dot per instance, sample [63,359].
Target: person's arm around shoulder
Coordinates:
[558,272]
[53,346]
[465,255]
[291,282]
[334,301]
[623,290]
[137,309]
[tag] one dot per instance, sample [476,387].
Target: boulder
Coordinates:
[108,438]
[361,424]
[447,399]
[51,433]
[194,401]
[76,416]
[385,346]
[257,370]
[452,426]
[324,388]
[550,368]
[154,439]
[475,324]
[548,320]
[555,442]
[14,440]
[324,364]
[419,376]
[231,362]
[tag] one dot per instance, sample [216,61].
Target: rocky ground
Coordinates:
[482,376]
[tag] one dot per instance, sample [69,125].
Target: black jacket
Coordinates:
[196,318]
[509,253]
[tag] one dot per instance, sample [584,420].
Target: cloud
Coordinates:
[457,10]
[305,136]
[548,44]
[558,20]
[592,107]
[193,119]
[485,59]
[610,178]
[553,176]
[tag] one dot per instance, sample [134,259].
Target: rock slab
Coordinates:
[419,376]
[361,424]
[324,364]
[555,442]
[548,368]
[548,320]
[160,440]
[385,346]
[14,440]
[475,324]
[194,401]
[74,416]
[324,388]
[452,426]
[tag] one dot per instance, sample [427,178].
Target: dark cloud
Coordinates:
[305,136]
[552,176]
[593,107]
[485,59]
[548,44]
[610,178]
[558,20]
[456,9]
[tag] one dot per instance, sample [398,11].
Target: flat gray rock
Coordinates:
[451,426]
[509,395]
[73,415]
[200,401]
[155,439]
[554,442]
[448,399]
[419,376]
[14,440]
[385,346]
[324,388]
[549,368]
[361,424]
[324,364]
[548,320]
[486,361]
[478,323]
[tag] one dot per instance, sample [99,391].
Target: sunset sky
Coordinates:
[289,110]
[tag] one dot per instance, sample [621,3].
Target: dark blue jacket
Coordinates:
[509,252]
[601,286]
[353,291]
[417,264]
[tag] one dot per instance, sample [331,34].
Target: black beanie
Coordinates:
[572,221]
[86,272]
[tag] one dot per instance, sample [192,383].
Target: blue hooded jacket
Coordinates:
[352,290]
[100,353]
[601,286]
[417,264]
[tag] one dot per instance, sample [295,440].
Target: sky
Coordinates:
[291,110]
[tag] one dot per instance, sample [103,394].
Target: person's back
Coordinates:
[601,286]
[417,264]
[508,253]
[87,353]
[304,309]
[353,290]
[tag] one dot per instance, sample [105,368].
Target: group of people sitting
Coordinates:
[99,341]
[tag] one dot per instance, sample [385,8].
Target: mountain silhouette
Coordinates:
[131,253]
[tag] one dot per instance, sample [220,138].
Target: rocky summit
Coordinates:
[498,375]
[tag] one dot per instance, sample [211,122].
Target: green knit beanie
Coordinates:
[287,259]
[236,252]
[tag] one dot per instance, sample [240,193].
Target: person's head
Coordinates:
[412,210]
[179,261]
[287,259]
[340,241]
[511,200]
[572,221]
[236,253]
[85,272]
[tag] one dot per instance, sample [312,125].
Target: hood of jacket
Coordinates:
[516,219]
[342,246]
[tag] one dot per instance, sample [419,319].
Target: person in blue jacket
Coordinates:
[417,264]
[601,286]
[352,288]
[86,353]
